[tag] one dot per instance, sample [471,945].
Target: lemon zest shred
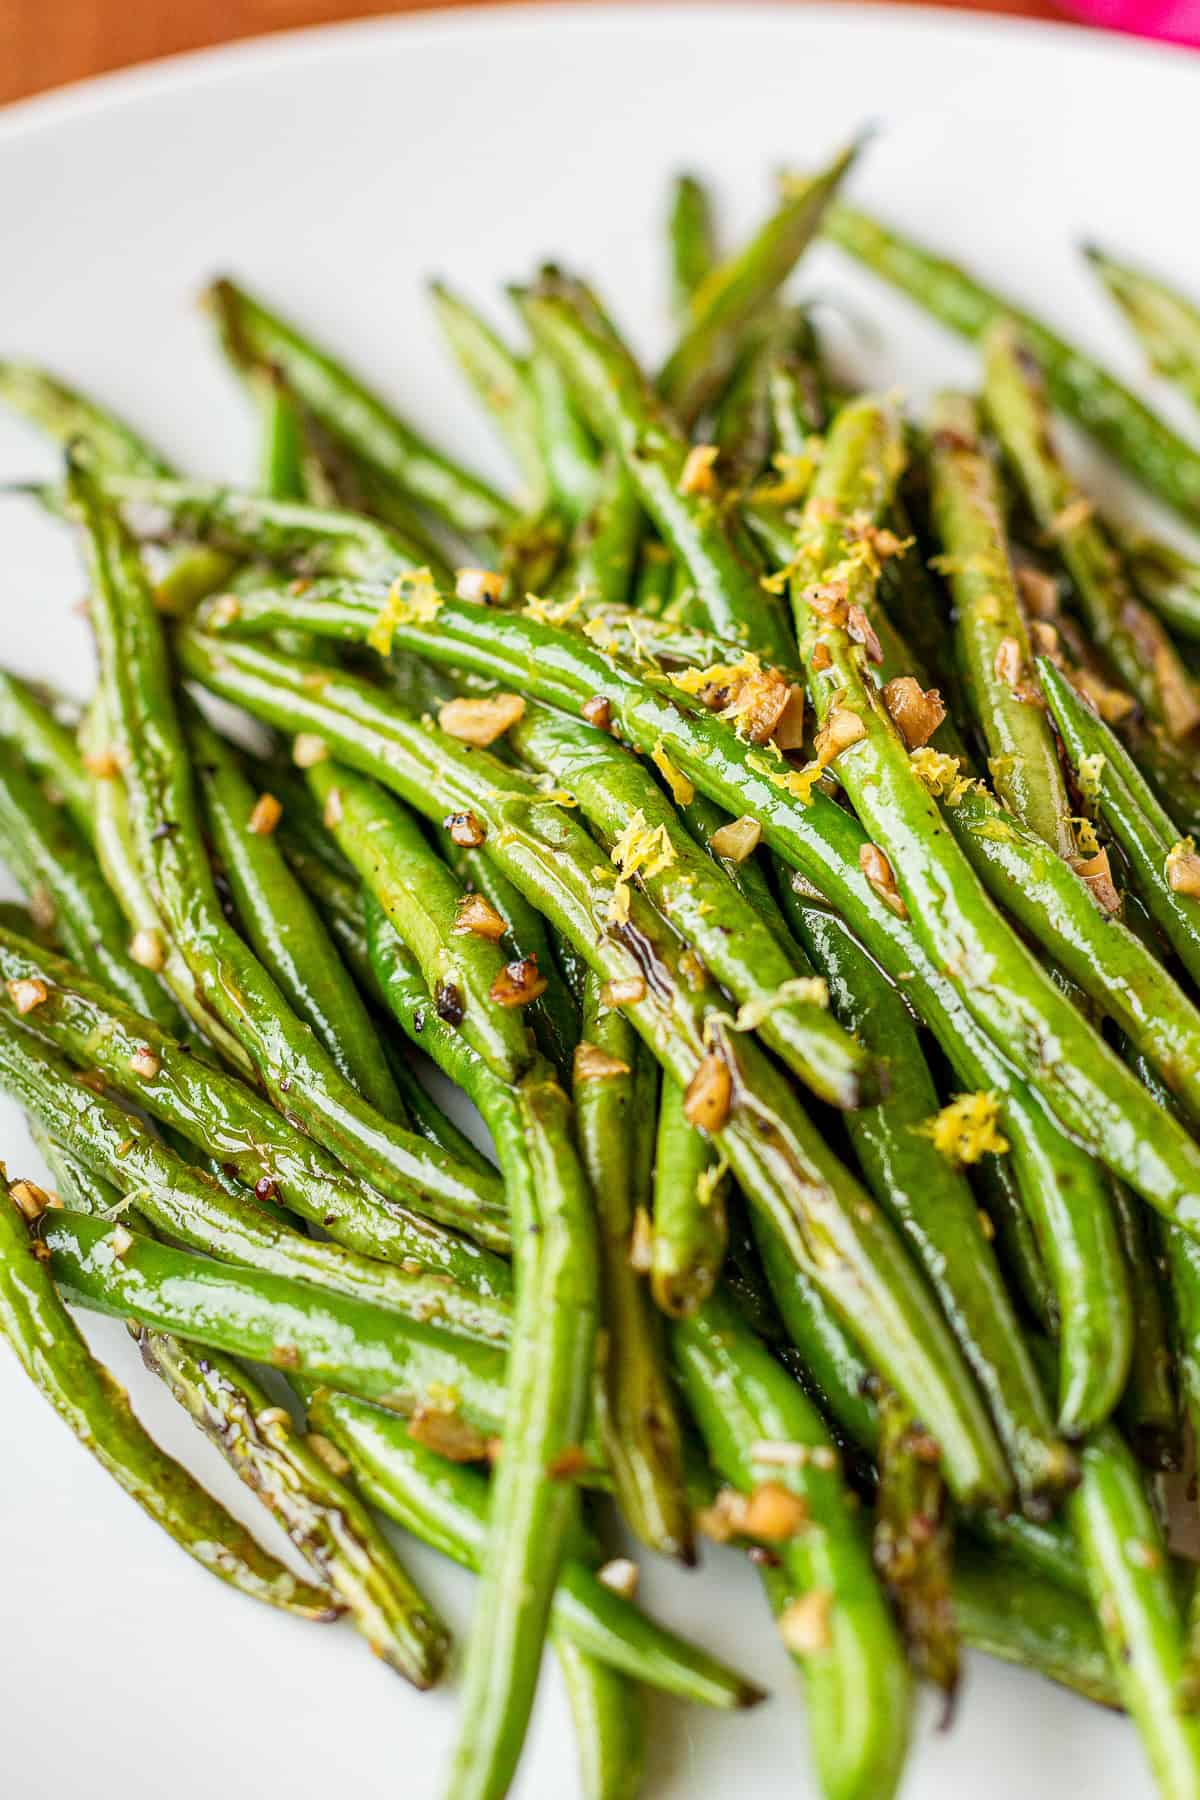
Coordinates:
[966,1128]
[682,790]
[412,599]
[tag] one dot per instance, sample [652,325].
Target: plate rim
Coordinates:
[113,89]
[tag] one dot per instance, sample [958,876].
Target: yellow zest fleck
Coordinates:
[1078,512]
[799,783]
[682,790]
[642,851]
[1090,774]
[966,1129]
[552,612]
[618,905]
[942,775]
[795,469]
[698,475]
[1085,837]
[709,1180]
[412,599]
[602,635]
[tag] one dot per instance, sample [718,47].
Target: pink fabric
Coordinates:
[1178,21]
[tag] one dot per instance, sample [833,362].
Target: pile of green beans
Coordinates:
[692,1019]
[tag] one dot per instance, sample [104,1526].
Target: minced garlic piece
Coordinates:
[698,475]
[480,722]
[1183,869]
[264,816]
[594,1064]
[966,1128]
[28,993]
[709,1094]
[736,839]
[804,1623]
[479,585]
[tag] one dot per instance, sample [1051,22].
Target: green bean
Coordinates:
[280,923]
[759,1428]
[446,1504]
[690,1230]
[1166,579]
[500,380]
[360,419]
[623,803]
[230,1122]
[783,1165]
[298,1074]
[421,896]
[609,1724]
[58,872]
[1004,1611]
[691,239]
[289,1325]
[735,291]
[115,852]
[930,1201]
[652,581]
[1164,321]
[625,414]
[65,414]
[990,633]
[47,746]
[1002,985]
[1016,1242]
[1131,1587]
[1146,833]
[912,1547]
[549,1389]
[1064,1189]
[334,1532]
[603,548]
[1124,630]
[1079,386]
[1150,1407]
[744,425]
[554,1014]
[614,1096]
[193,1209]
[568,451]
[50,1349]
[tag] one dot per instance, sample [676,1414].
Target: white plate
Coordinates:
[335,170]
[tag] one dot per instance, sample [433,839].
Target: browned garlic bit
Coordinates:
[31,1200]
[1038,591]
[147,950]
[265,816]
[28,993]
[103,765]
[480,722]
[480,585]
[475,913]
[621,1576]
[878,871]
[1183,870]
[771,1512]
[518,983]
[860,629]
[623,990]
[804,1624]
[308,750]
[709,1095]
[594,1064]
[842,728]
[598,712]
[144,1064]
[1095,871]
[465,830]
[442,1430]
[737,839]
[698,475]
[916,711]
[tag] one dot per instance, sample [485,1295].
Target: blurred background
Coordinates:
[44,43]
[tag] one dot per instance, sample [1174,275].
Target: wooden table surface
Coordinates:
[44,43]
